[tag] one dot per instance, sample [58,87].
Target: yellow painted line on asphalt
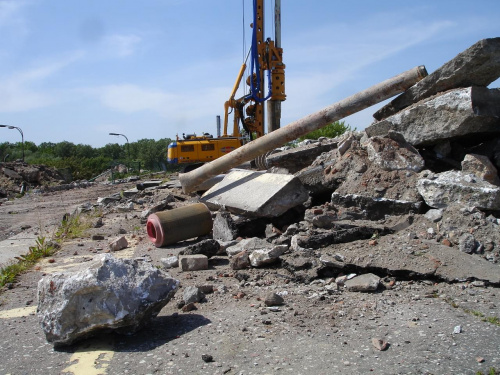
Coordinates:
[18,313]
[125,253]
[92,358]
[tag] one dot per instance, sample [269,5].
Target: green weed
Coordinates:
[492,371]
[490,319]
[75,226]
[41,249]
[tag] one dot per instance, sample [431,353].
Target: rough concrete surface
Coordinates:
[320,328]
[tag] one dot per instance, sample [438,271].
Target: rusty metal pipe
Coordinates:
[168,227]
[346,107]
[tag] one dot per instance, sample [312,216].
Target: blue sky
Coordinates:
[77,70]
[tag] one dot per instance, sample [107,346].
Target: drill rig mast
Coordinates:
[265,57]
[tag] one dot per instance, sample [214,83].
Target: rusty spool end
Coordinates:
[155,230]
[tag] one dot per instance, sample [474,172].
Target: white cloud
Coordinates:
[337,62]
[129,98]
[10,14]
[18,90]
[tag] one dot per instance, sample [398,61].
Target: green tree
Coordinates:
[30,146]
[153,153]
[330,131]
[47,148]
[5,149]
[64,149]
[113,151]
[85,151]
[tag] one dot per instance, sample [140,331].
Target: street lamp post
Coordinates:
[20,131]
[128,146]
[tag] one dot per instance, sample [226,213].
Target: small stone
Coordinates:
[379,344]
[189,307]
[193,262]
[434,215]
[457,329]
[170,262]
[206,288]
[341,280]
[273,299]
[97,237]
[479,359]
[446,242]
[240,261]
[118,244]
[192,294]
[467,243]
[240,295]
[207,358]
[363,283]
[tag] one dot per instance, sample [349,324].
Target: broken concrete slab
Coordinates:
[425,259]
[248,244]
[110,294]
[377,208]
[147,184]
[455,113]
[341,233]
[295,159]
[208,247]
[452,187]
[479,65]
[107,200]
[256,194]
[381,171]
[157,207]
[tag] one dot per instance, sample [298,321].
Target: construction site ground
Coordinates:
[430,326]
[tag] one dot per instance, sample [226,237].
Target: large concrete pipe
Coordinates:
[168,227]
[355,103]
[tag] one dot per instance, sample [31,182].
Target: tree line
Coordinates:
[85,161]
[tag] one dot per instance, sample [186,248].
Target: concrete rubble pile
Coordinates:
[432,156]
[414,196]
[14,174]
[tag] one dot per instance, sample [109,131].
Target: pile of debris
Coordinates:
[13,175]
[415,195]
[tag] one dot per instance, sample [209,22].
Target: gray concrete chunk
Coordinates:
[193,262]
[256,194]
[479,65]
[450,187]
[363,283]
[456,113]
[110,294]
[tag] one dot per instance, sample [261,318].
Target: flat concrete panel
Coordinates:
[256,194]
